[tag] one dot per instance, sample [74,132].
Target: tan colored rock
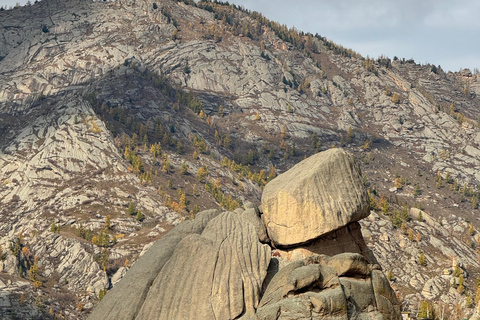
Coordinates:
[327,288]
[387,302]
[318,195]
[126,298]
[253,215]
[215,275]
[350,264]
[346,239]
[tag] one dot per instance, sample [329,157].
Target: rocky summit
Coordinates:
[129,127]
[216,267]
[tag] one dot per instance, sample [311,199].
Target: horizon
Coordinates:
[432,32]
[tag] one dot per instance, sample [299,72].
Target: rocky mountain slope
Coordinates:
[120,119]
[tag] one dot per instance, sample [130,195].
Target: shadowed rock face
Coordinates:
[320,194]
[321,287]
[345,239]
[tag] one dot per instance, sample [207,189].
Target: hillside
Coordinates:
[149,112]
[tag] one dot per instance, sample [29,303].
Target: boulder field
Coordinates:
[268,262]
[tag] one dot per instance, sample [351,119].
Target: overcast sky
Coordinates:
[441,32]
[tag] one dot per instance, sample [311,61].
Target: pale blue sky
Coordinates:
[441,32]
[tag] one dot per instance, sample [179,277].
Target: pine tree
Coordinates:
[422,260]
[410,234]
[201,173]
[131,209]
[469,301]
[471,229]
[461,284]
[33,274]
[420,217]
[390,275]
[398,183]
[417,191]
[183,202]
[184,169]
[227,142]
[426,311]
[54,227]
[102,294]
[179,147]
[108,223]
[395,98]
[350,135]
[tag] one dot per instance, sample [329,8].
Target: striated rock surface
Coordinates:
[217,274]
[126,298]
[70,93]
[320,194]
[226,286]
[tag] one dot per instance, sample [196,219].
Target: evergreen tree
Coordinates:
[131,209]
[422,260]
[184,169]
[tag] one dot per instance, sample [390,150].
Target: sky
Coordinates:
[440,32]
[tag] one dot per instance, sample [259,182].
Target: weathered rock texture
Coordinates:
[345,239]
[215,275]
[59,160]
[126,298]
[320,194]
[321,287]
[216,267]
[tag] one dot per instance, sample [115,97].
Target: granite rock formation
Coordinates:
[318,195]
[216,267]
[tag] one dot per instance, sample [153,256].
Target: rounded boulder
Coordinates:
[318,195]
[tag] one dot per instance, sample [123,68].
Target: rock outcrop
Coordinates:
[205,269]
[126,298]
[318,195]
[216,267]
[215,275]
[322,287]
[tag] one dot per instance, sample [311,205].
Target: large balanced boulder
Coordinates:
[318,195]
[220,265]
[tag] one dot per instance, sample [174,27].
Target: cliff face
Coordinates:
[87,88]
